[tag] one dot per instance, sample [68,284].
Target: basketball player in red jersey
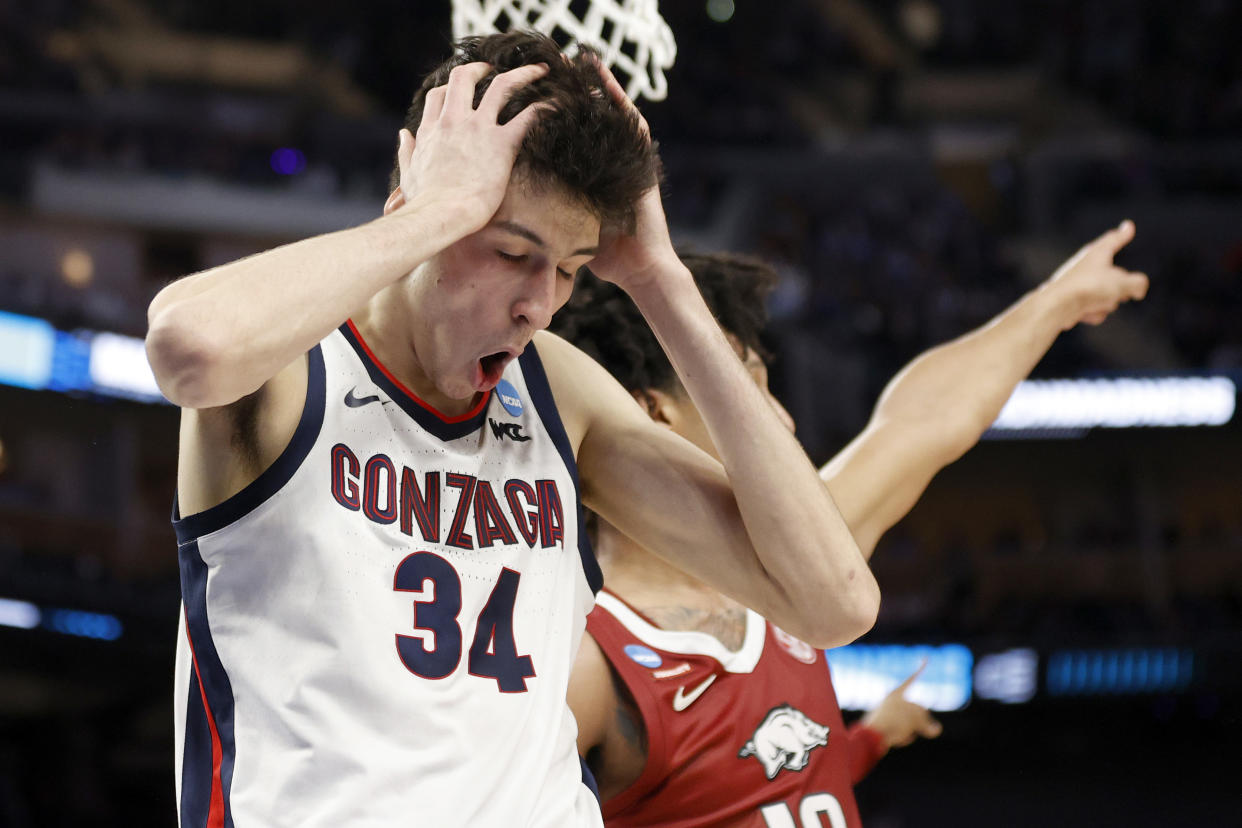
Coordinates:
[694,711]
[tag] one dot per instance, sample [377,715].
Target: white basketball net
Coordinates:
[630,36]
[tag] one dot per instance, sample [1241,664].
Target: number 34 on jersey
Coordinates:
[434,650]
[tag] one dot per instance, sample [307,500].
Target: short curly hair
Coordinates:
[603,321]
[585,142]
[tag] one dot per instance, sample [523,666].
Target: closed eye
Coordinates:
[521,258]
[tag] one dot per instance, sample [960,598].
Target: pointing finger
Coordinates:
[1136,285]
[1118,237]
[910,679]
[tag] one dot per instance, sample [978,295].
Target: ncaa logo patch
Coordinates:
[509,399]
[645,656]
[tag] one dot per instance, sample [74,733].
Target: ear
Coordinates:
[659,405]
[405,151]
[396,200]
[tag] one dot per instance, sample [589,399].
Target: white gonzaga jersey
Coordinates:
[379,630]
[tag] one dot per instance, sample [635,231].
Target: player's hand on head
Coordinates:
[901,721]
[628,256]
[617,92]
[461,156]
[1092,284]
[632,256]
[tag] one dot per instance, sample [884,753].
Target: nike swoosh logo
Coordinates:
[354,401]
[682,699]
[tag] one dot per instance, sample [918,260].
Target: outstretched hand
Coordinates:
[1095,286]
[901,721]
[461,157]
[630,259]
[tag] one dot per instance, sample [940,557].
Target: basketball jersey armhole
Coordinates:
[612,636]
[275,476]
[545,406]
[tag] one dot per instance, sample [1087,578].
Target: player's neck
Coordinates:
[386,324]
[647,581]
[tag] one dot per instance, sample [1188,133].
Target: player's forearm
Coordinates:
[932,412]
[819,585]
[941,403]
[956,390]
[219,335]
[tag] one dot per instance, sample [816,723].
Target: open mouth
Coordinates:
[493,366]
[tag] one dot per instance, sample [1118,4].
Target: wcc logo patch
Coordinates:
[511,430]
[784,740]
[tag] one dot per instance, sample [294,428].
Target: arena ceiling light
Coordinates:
[35,355]
[26,346]
[81,623]
[119,367]
[20,614]
[1071,407]
[863,674]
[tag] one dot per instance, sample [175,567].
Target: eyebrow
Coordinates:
[533,237]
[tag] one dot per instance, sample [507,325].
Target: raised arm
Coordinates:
[940,404]
[763,528]
[219,335]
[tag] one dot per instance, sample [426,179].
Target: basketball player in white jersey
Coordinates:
[693,711]
[381,461]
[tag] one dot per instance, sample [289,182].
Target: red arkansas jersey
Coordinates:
[746,738]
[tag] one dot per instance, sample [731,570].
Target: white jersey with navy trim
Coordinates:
[379,630]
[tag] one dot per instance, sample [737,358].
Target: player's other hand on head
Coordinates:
[1092,285]
[901,721]
[631,256]
[461,158]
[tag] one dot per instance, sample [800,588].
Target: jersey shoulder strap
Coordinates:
[537,384]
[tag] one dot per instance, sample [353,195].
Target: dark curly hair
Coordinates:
[585,142]
[601,319]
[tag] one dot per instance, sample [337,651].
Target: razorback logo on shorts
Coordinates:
[784,740]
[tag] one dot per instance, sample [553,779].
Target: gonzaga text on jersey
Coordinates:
[375,489]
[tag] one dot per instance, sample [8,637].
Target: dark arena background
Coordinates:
[912,167]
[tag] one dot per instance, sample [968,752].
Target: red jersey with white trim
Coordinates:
[747,738]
